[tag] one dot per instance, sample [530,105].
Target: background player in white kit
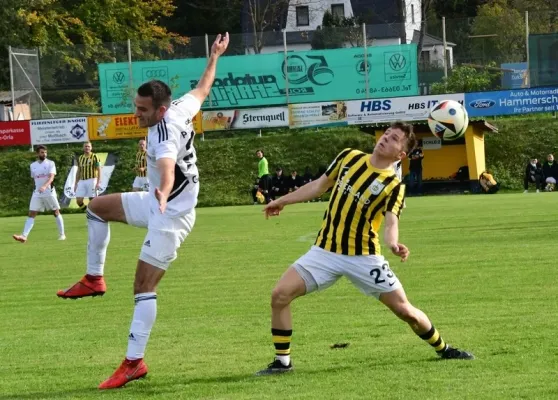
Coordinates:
[167,211]
[44,196]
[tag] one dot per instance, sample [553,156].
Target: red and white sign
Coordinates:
[15,133]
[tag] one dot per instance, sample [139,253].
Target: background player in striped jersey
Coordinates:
[365,188]
[44,198]
[167,211]
[88,178]
[141,183]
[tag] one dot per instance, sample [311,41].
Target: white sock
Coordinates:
[28,226]
[60,224]
[285,360]
[99,238]
[145,313]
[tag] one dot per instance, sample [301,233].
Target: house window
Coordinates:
[413,13]
[302,16]
[338,10]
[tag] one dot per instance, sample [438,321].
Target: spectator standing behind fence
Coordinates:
[533,174]
[415,170]
[550,172]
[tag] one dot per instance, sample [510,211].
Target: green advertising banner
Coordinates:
[543,59]
[259,80]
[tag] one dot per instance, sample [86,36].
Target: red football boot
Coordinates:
[87,286]
[128,371]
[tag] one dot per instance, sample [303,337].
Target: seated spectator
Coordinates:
[278,187]
[550,172]
[307,177]
[488,183]
[533,174]
[293,182]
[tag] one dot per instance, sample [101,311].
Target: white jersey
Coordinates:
[398,170]
[173,138]
[40,171]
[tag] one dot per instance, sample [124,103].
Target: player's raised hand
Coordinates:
[273,209]
[400,250]
[162,199]
[220,45]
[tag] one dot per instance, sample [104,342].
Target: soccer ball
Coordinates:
[448,120]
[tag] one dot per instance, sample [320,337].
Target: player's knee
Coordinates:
[56,213]
[407,313]
[280,298]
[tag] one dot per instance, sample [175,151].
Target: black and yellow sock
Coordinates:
[435,340]
[282,342]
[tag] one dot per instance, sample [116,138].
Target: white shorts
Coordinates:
[141,182]
[41,204]
[371,274]
[86,188]
[164,234]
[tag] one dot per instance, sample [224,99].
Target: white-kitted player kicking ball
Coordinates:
[44,198]
[167,211]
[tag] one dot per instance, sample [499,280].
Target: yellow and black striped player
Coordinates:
[88,178]
[141,183]
[365,192]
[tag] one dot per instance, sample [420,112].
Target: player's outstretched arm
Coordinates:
[391,236]
[307,192]
[204,85]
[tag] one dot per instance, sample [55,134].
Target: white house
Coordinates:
[387,22]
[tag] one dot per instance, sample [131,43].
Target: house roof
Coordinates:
[430,40]
[6,96]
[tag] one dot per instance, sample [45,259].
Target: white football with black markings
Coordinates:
[448,120]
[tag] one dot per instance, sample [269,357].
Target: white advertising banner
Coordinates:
[251,118]
[65,130]
[414,108]
[333,113]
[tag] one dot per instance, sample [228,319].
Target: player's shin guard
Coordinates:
[145,313]
[28,226]
[434,339]
[99,237]
[282,342]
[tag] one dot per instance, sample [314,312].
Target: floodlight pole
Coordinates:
[527,47]
[365,47]
[445,47]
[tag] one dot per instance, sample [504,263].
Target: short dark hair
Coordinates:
[40,147]
[158,90]
[407,129]
[260,151]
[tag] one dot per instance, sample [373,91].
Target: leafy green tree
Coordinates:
[72,34]
[464,79]
[336,31]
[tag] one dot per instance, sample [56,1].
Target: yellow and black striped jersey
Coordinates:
[88,166]
[141,162]
[360,197]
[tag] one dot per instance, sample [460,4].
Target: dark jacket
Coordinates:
[293,183]
[531,171]
[550,170]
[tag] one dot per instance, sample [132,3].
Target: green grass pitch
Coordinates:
[482,267]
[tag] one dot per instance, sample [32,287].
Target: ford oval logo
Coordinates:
[482,103]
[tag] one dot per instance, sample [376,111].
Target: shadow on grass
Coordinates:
[161,385]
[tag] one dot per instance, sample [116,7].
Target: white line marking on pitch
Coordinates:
[310,237]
